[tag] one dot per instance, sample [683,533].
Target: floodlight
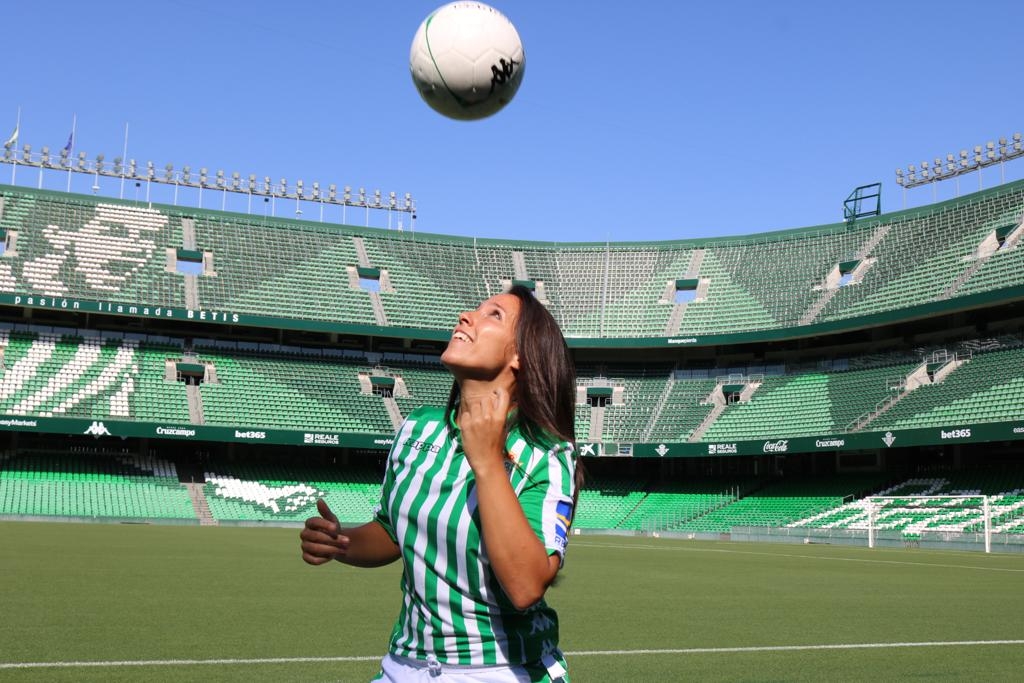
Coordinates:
[126,167]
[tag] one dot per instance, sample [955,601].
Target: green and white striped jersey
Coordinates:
[454,607]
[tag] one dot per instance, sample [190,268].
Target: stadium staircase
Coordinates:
[721,402]
[199,504]
[659,407]
[699,430]
[831,286]
[596,423]
[675,319]
[934,370]
[988,248]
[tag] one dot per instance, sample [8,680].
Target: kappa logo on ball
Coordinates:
[467,60]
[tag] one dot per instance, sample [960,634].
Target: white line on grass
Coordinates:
[577,544]
[576,653]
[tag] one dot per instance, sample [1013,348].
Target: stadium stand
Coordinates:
[1005,489]
[988,388]
[50,375]
[96,484]
[286,269]
[269,493]
[73,246]
[345,325]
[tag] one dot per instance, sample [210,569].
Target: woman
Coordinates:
[477,501]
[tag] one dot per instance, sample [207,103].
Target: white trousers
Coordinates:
[396,669]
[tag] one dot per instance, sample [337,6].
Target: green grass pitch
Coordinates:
[632,609]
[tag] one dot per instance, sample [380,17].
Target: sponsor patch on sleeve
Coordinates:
[563,518]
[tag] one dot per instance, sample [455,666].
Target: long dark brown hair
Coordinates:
[545,392]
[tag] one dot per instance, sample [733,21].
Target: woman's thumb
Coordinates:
[325,511]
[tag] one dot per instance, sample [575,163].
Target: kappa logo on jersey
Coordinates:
[541,623]
[563,518]
[423,445]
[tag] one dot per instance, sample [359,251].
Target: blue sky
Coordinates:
[635,121]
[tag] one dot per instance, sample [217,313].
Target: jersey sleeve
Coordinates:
[381,514]
[547,498]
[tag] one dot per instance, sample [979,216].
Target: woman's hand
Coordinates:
[321,537]
[324,539]
[482,421]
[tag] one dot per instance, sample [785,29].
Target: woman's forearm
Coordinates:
[369,545]
[519,560]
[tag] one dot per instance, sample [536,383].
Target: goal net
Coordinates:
[912,519]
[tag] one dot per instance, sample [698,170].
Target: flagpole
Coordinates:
[71,148]
[124,157]
[17,131]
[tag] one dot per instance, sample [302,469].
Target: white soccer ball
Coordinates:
[467,60]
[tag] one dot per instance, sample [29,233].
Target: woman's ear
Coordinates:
[514,363]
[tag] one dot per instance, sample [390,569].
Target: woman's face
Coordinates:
[483,343]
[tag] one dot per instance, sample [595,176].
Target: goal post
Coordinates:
[913,516]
